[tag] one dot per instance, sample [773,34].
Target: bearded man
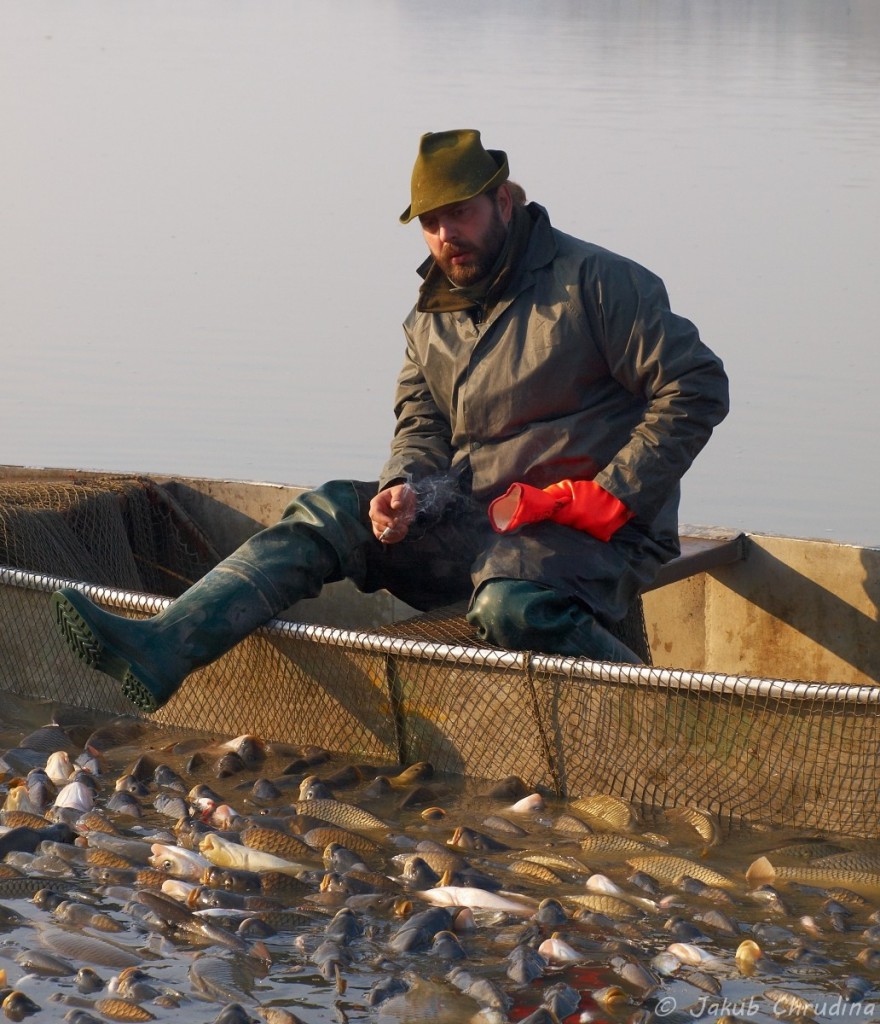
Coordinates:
[548,405]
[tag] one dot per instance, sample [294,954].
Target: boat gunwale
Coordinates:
[573,668]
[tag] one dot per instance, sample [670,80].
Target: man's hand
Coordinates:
[392,511]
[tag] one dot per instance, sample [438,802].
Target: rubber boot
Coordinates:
[524,616]
[318,539]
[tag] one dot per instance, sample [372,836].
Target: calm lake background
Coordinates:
[202,271]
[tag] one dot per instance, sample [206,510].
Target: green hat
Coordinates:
[451,167]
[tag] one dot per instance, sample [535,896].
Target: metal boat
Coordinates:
[759,700]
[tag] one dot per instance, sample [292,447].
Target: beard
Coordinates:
[481,256]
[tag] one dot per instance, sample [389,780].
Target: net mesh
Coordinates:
[117,531]
[426,689]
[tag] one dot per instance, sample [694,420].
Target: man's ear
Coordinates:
[505,202]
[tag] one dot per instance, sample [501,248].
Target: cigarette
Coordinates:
[386,533]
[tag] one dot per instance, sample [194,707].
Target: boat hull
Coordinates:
[366,678]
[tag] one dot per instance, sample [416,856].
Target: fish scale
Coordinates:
[23,819]
[536,872]
[338,813]
[123,1009]
[77,946]
[668,868]
[271,840]
[603,903]
[852,860]
[319,838]
[611,842]
[865,883]
[558,861]
[612,811]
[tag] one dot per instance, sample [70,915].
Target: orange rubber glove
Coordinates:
[581,504]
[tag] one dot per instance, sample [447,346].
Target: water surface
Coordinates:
[202,270]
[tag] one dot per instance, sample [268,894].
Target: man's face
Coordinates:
[466,238]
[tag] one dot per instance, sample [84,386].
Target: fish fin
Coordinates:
[761,872]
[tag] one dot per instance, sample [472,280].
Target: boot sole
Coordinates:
[89,648]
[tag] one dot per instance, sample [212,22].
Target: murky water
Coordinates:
[202,270]
[817,943]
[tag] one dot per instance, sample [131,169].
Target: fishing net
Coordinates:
[426,689]
[118,531]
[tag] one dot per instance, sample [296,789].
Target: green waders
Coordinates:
[320,538]
[525,616]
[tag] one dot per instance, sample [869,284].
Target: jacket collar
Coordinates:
[530,245]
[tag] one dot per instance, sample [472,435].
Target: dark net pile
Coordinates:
[427,690]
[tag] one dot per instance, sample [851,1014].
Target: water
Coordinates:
[811,948]
[202,270]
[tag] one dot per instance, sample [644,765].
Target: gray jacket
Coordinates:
[580,370]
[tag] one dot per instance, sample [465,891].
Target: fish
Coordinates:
[597,882]
[25,839]
[464,838]
[485,991]
[669,868]
[76,945]
[636,975]
[498,823]
[95,821]
[338,813]
[865,883]
[40,962]
[610,811]
[550,912]
[59,768]
[690,953]
[536,872]
[18,798]
[177,919]
[223,853]
[80,915]
[610,996]
[852,860]
[249,748]
[704,823]
[76,795]
[703,981]
[605,903]
[123,1010]
[570,824]
[789,1004]
[134,850]
[271,840]
[525,964]
[174,860]
[438,860]
[88,980]
[600,843]
[17,1005]
[476,899]
[533,803]
[18,886]
[133,983]
[319,838]
[418,772]
[558,861]
[23,819]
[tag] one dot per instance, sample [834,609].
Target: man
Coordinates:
[548,405]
